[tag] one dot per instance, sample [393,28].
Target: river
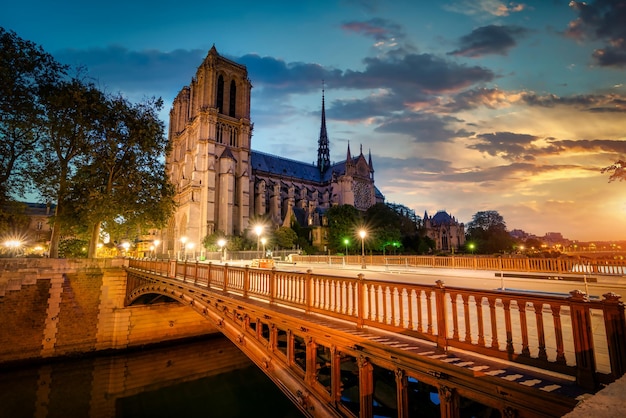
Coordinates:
[202,378]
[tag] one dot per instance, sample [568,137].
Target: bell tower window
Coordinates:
[220,94]
[233,99]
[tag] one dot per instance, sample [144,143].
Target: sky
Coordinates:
[465,106]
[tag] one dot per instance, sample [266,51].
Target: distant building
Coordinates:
[445,230]
[221,183]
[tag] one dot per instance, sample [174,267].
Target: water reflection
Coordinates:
[208,378]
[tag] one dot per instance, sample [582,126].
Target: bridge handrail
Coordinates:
[553,332]
[521,264]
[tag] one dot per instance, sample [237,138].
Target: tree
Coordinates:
[72,109]
[124,177]
[25,70]
[343,221]
[487,231]
[285,237]
[617,170]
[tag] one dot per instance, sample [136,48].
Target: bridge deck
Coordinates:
[478,365]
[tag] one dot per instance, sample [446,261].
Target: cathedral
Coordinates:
[221,183]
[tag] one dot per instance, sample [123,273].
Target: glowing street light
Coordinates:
[155,245]
[362,234]
[346,241]
[126,246]
[471,247]
[258,230]
[221,242]
[183,240]
[191,247]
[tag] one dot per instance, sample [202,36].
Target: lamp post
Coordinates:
[221,242]
[362,234]
[125,246]
[346,242]
[155,243]
[191,247]
[258,229]
[263,241]
[183,240]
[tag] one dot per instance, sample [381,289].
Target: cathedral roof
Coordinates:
[281,166]
[441,218]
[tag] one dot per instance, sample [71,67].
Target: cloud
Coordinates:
[422,127]
[508,145]
[134,72]
[491,39]
[601,20]
[600,103]
[482,7]
[513,146]
[416,73]
[381,30]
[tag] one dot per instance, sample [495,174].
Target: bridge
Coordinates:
[361,347]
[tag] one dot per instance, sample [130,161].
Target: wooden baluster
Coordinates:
[468,323]
[410,296]
[508,327]
[455,316]
[362,290]
[384,292]
[308,290]
[558,333]
[541,337]
[479,315]
[429,313]
[419,311]
[494,325]
[524,327]
[401,322]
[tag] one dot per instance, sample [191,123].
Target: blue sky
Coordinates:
[465,105]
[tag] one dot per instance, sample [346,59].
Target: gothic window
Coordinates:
[220,133]
[233,137]
[233,98]
[220,94]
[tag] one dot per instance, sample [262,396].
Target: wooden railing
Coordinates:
[521,264]
[572,335]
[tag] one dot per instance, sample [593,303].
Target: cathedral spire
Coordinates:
[323,153]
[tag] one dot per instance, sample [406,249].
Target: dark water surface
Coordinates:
[205,378]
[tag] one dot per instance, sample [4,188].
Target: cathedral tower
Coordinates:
[209,157]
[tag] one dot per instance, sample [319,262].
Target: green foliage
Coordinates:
[73,248]
[285,237]
[487,232]
[343,222]
[25,70]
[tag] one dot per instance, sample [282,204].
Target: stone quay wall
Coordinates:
[60,307]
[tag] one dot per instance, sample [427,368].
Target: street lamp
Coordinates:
[191,247]
[125,246]
[221,242]
[263,241]
[362,234]
[259,230]
[155,243]
[183,240]
[346,241]
[471,247]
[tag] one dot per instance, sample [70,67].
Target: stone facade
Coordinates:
[445,230]
[59,307]
[222,183]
